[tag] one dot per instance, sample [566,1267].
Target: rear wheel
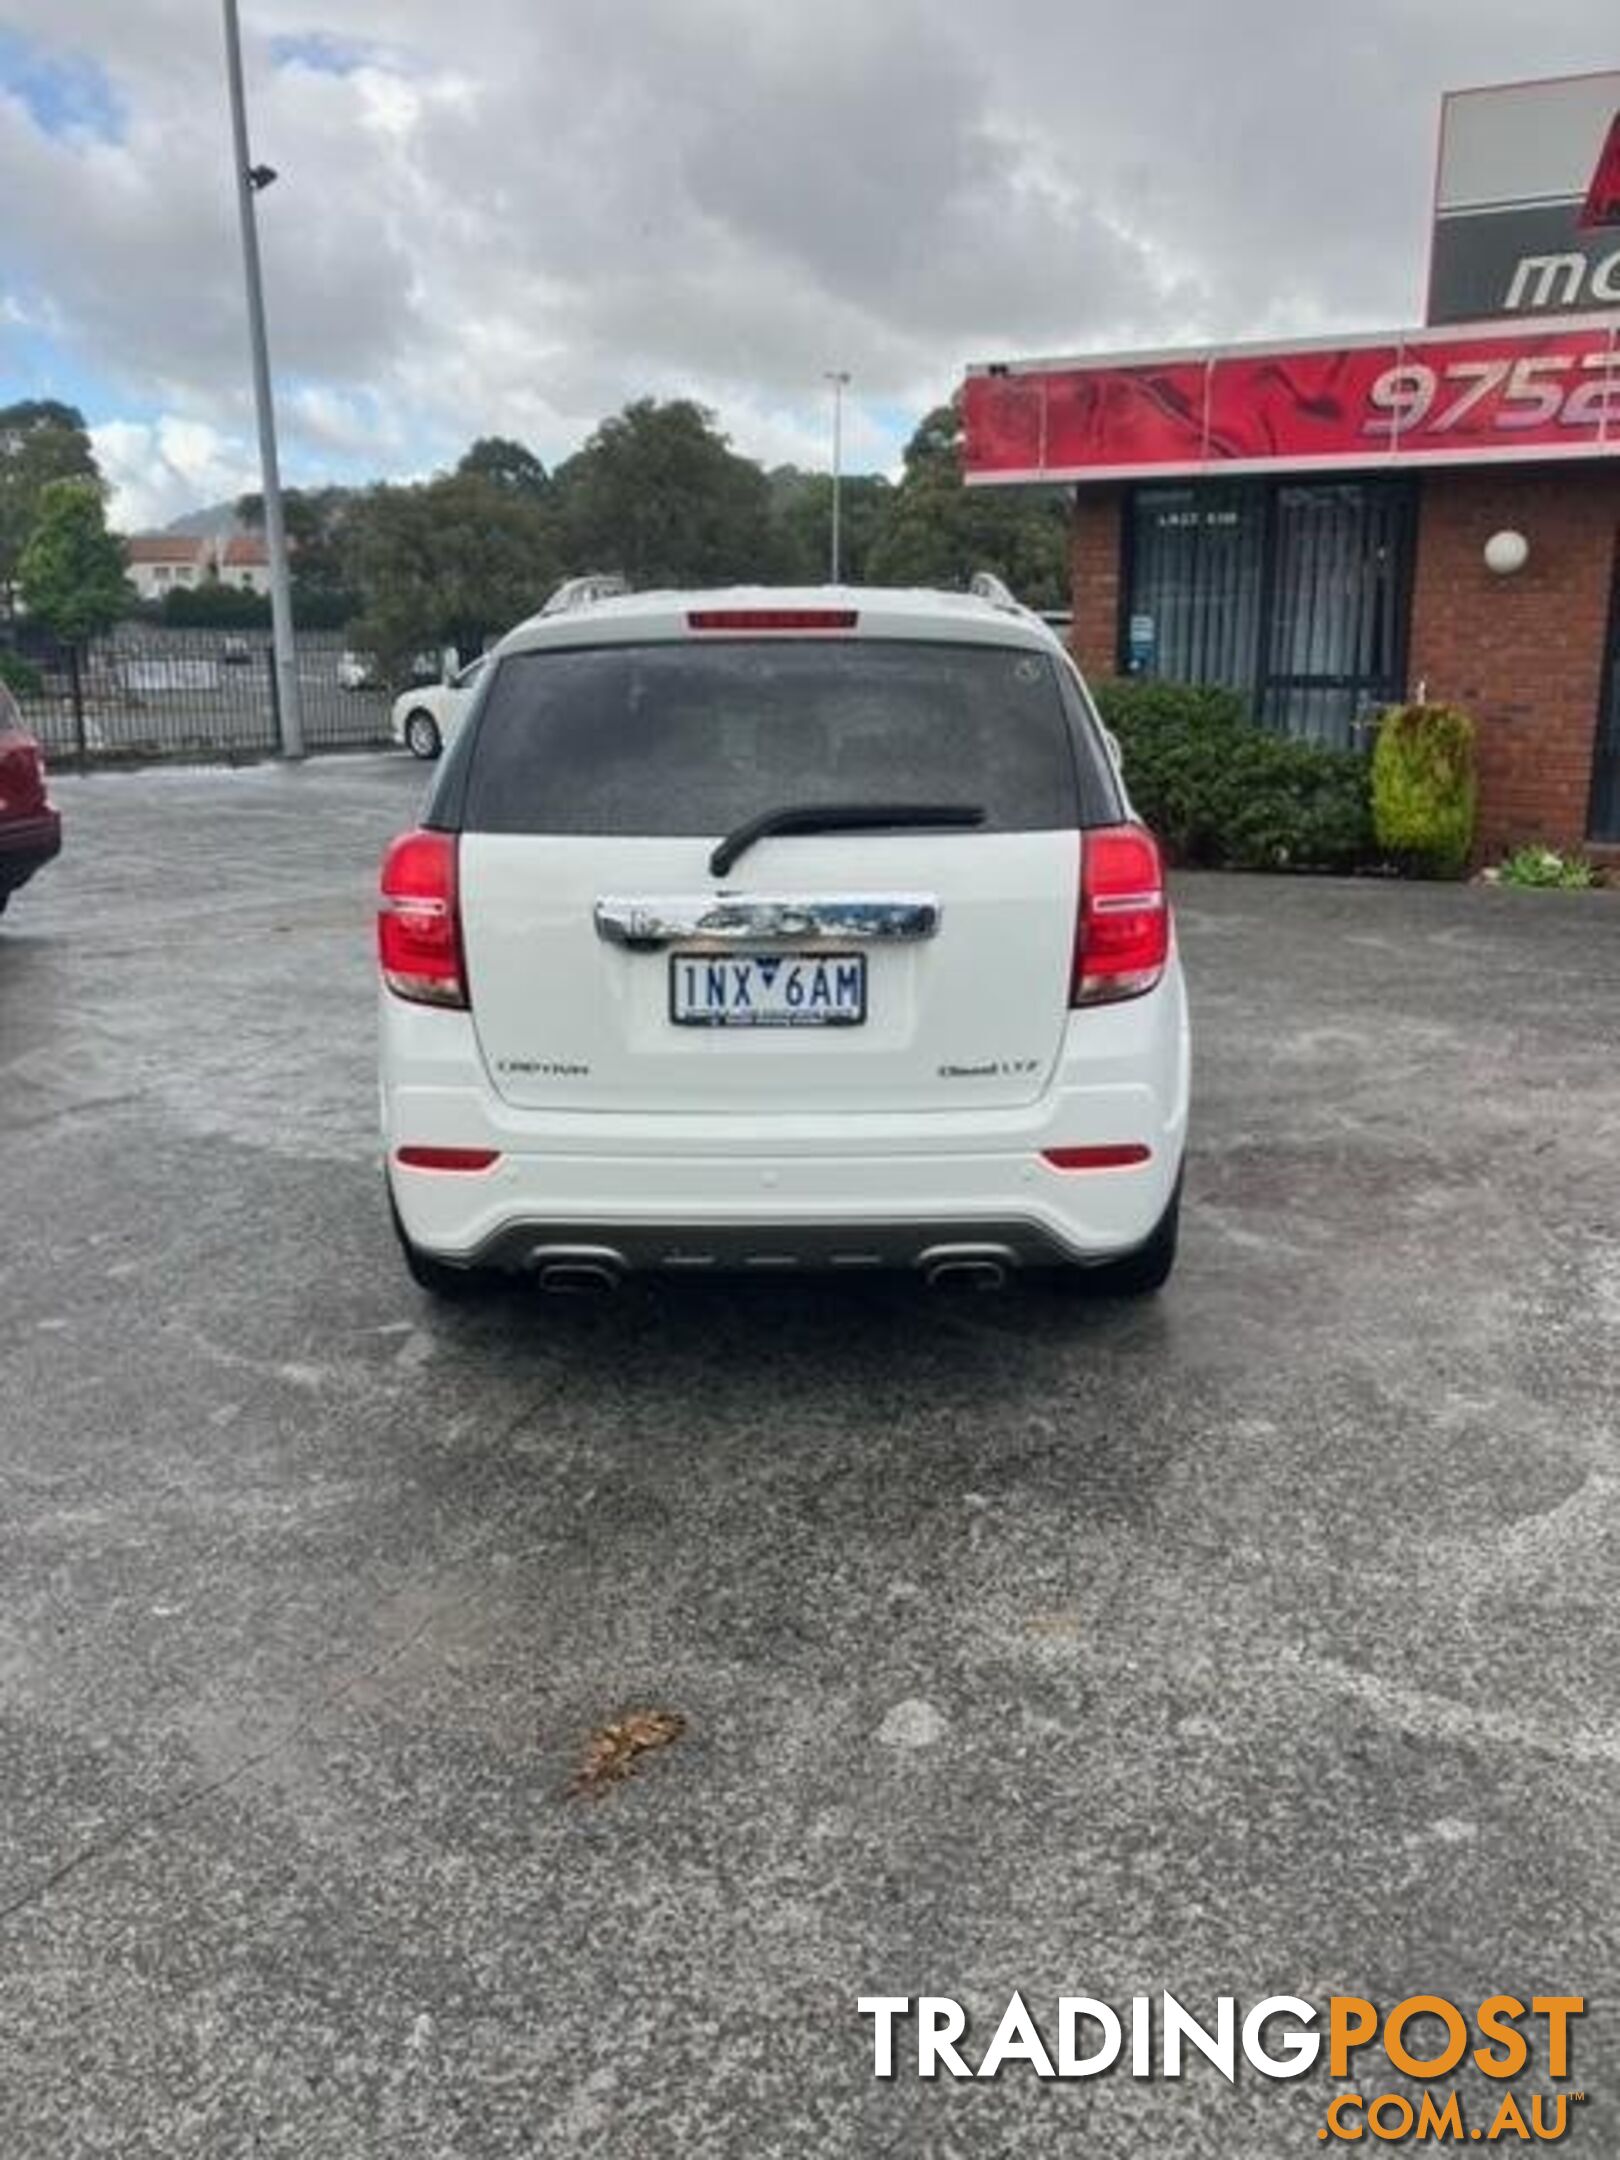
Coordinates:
[1139,1273]
[422,734]
[450,1285]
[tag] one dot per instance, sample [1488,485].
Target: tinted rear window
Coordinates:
[689,739]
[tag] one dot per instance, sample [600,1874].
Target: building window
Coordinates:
[1294,594]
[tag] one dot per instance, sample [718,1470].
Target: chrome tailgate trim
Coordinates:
[649,923]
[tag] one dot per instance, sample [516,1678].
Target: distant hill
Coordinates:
[217,520]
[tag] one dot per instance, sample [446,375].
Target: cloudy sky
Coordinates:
[510,216]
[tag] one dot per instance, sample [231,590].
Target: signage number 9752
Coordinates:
[1531,392]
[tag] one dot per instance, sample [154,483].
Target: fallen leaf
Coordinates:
[611,1752]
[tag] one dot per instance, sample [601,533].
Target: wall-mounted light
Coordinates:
[1506,553]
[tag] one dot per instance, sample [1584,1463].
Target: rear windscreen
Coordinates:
[692,739]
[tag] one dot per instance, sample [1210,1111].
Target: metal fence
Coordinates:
[147,692]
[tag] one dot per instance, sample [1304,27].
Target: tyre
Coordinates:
[1139,1273]
[422,734]
[449,1285]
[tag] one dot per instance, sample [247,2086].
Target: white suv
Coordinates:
[781,930]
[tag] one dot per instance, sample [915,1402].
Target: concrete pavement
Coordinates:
[1259,1640]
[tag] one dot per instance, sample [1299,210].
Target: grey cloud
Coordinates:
[135,245]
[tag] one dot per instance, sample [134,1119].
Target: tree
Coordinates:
[72,569]
[936,531]
[451,562]
[801,523]
[659,493]
[314,519]
[41,440]
[508,464]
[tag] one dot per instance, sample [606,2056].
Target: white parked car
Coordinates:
[782,930]
[425,717]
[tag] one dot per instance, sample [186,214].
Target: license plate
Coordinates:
[781,990]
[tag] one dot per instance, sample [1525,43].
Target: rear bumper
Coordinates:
[776,1247]
[844,1215]
[26,845]
[694,1190]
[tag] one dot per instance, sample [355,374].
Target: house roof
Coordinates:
[163,548]
[245,551]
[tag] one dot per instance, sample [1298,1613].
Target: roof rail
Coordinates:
[985,585]
[995,592]
[578,592]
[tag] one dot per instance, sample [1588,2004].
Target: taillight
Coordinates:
[419,922]
[22,772]
[772,618]
[1122,939]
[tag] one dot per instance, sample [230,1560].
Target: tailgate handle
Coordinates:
[717,919]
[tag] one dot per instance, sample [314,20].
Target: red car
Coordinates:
[30,830]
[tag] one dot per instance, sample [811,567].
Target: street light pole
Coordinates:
[249,179]
[839,378]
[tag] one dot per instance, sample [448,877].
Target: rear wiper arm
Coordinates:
[840,817]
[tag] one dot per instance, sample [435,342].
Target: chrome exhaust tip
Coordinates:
[581,1270]
[571,1278]
[967,1273]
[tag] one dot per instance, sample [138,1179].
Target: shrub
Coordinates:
[20,675]
[1544,866]
[215,606]
[1424,789]
[1221,791]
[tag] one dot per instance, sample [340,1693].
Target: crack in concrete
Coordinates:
[1440,1717]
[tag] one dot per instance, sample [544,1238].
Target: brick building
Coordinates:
[1531,656]
[1330,527]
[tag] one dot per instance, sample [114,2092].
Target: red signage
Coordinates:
[1416,398]
[1603,196]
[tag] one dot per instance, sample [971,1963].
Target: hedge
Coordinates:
[20,675]
[1221,791]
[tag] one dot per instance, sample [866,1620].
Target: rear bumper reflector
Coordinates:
[1115,1155]
[446,1158]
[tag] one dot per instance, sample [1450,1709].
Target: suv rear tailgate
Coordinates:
[971,1013]
[912,966]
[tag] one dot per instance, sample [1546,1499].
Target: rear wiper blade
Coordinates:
[840,817]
